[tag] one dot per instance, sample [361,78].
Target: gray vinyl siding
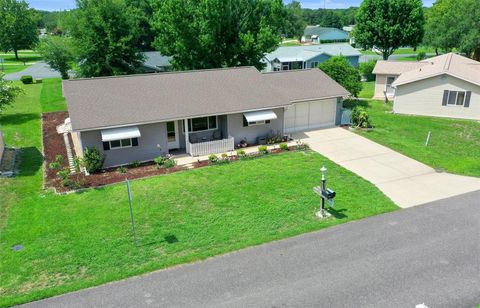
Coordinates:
[236,129]
[152,135]
[424,97]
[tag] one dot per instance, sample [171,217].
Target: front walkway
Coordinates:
[404,180]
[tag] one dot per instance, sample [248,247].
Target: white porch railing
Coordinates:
[211,147]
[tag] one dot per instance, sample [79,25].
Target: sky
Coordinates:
[55,5]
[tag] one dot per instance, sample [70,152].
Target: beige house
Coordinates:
[443,86]
[387,72]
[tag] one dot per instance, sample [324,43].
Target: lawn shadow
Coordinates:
[18,118]
[31,160]
[339,214]
[169,239]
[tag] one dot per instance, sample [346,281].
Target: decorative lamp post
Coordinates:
[323,170]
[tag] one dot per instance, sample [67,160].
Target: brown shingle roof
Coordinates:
[127,100]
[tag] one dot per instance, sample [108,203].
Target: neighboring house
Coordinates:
[302,57]
[387,72]
[447,86]
[155,62]
[318,35]
[349,30]
[139,117]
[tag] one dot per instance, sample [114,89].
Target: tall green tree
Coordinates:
[57,51]
[340,70]
[145,15]
[441,31]
[18,26]
[106,36]
[217,33]
[389,24]
[294,24]
[8,92]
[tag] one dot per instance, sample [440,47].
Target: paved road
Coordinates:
[404,180]
[37,70]
[425,254]
[366,58]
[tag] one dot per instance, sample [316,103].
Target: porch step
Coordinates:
[189,166]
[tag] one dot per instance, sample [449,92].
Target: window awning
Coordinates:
[262,115]
[120,133]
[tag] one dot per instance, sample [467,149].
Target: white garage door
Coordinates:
[311,115]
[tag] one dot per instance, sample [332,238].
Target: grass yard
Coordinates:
[84,239]
[402,51]
[368,89]
[12,65]
[454,144]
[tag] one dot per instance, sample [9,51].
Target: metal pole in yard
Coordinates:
[428,138]
[127,182]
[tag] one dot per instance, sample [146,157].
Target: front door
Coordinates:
[172,133]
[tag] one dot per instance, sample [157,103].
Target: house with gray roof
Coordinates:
[302,57]
[155,62]
[140,117]
[319,35]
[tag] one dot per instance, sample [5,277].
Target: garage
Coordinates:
[310,115]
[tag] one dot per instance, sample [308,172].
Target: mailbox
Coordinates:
[328,193]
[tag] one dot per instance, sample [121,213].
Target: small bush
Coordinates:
[122,169]
[212,158]
[93,160]
[169,163]
[283,146]
[224,156]
[241,153]
[301,146]
[422,55]
[77,163]
[360,117]
[54,165]
[136,164]
[26,79]
[57,164]
[263,149]
[159,161]
[366,68]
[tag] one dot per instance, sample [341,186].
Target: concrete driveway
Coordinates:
[404,180]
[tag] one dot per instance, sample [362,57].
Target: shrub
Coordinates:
[422,55]
[212,158]
[224,156]
[241,153]
[169,163]
[136,164]
[122,169]
[301,146]
[64,176]
[283,146]
[159,161]
[93,160]
[360,117]
[366,68]
[263,149]
[26,79]
[57,164]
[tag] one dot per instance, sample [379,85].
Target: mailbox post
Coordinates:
[325,194]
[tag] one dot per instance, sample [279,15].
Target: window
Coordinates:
[313,64]
[119,144]
[245,123]
[285,66]
[202,124]
[390,80]
[171,132]
[456,98]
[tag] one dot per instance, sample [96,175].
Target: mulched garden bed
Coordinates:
[54,145]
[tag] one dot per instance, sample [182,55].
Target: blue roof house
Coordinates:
[319,35]
[304,57]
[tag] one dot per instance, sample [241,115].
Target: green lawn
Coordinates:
[84,239]
[51,95]
[368,89]
[12,65]
[402,51]
[454,144]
